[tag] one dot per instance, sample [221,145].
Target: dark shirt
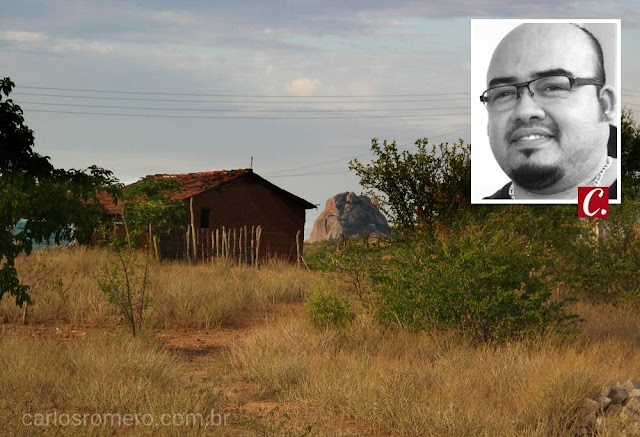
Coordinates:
[612,151]
[503,193]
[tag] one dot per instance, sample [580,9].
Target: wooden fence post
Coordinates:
[150,239]
[246,255]
[153,243]
[188,236]
[252,245]
[217,243]
[258,235]
[193,230]
[203,238]
[299,255]
[234,245]
[224,242]
[240,247]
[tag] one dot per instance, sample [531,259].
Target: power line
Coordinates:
[317,165]
[329,172]
[234,109]
[231,101]
[237,95]
[245,117]
[348,157]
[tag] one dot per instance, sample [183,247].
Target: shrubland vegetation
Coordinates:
[200,297]
[498,272]
[368,380]
[472,320]
[349,373]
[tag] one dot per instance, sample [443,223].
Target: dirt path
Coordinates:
[203,353]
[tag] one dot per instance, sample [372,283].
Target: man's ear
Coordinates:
[607,98]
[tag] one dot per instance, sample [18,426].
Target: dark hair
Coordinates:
[597,49]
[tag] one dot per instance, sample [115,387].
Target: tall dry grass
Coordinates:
[102,374]
[63,287]
[437,384]
[64,290]
[362,380]
[210,295]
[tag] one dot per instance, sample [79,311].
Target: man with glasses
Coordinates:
[549,110]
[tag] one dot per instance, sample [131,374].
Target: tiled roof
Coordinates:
[107,201]
[195,183]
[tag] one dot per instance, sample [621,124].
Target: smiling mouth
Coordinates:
[532,137]
[528,144]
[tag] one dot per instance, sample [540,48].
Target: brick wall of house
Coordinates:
[246,203]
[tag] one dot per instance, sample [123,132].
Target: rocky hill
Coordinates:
[351,215]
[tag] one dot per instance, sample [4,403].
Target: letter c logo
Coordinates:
[587,202]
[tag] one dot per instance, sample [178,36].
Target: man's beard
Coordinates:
[536,177]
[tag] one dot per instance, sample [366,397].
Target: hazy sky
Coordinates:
[301,86]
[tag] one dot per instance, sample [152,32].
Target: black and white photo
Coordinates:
[545,109]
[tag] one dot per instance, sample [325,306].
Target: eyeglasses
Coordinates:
[545,89]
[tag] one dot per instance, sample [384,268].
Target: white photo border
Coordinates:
[486,174]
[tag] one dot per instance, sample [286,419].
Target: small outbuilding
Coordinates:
[234,200]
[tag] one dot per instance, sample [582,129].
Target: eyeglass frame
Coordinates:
[573,81]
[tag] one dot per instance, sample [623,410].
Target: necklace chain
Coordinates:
[594,183]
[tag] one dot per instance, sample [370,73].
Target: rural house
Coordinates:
[235,200]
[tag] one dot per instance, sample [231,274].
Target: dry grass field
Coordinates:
[228,351]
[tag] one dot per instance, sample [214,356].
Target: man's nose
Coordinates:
[527,108]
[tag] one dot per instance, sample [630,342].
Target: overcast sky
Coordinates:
[235,80]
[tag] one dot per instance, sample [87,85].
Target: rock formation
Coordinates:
[620,401]
[350,215]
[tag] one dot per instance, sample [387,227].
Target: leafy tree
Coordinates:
[149,209]
[630,132]
[611,270]
[32,188]
[416,190]
[556,230]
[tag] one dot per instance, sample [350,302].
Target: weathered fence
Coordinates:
[242,245]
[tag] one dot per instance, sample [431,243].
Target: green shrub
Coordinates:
[125,281]
[611,268]
[316,255]
[328,310]
[490,284]
[352,262]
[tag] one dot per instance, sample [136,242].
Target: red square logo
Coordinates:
[593,202]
